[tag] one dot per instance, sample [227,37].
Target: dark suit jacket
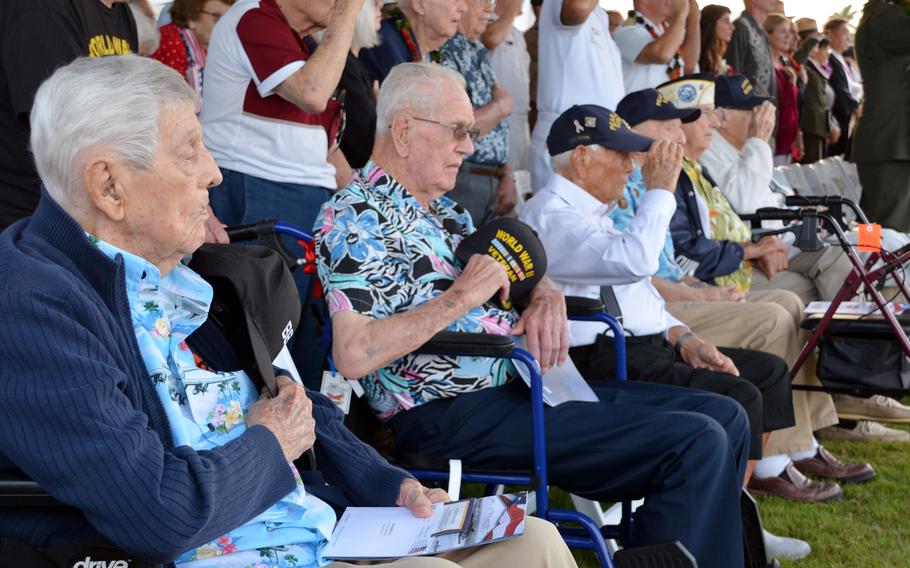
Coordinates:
[883,51]
[844,103]
[813,114]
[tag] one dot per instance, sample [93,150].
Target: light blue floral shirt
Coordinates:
[207,409]
[380,253]
[471,60]
[622,217]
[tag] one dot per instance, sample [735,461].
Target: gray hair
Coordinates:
[412,86]
[560,162]
[110,102]
[365,34]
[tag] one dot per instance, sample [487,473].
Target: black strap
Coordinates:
[610,303]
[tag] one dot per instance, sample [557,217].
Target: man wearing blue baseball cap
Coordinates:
[591,152]
[741,162]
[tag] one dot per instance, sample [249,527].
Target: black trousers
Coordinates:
[683,450]
[763,387]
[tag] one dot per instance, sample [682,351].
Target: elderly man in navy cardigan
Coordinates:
[101,400]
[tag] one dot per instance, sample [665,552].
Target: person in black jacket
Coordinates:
[846,105]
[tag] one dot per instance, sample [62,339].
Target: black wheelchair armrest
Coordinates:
[18,490]
[468,344]
[578,307]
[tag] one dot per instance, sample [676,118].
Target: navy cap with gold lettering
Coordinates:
[649,104]
[736,92]
[585,125]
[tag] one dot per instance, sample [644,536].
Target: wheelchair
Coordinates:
[578,530]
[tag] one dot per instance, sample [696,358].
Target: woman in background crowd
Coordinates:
[816,121]
[788,143]
[716,31]
[185,40]
[355,144]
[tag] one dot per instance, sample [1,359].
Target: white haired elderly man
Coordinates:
[413,31]
[386,257]
[103,402]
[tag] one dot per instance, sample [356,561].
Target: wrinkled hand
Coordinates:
[506,196]
[702,355]
[503,98]
[720,294]
[662,165]
[419,499]
[481,279]
[834,136]
[214,230]
[289,416]
[763,120]
[772,263]
[547,327]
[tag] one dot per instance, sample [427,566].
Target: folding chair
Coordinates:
[585,534]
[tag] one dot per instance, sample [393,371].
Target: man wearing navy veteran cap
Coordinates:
[741,162]
[591,150]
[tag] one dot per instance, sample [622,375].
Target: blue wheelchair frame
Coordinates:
[589,536]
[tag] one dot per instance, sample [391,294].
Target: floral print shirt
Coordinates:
[470,59]
[622,218]
[380,253]
[725,224]
[207,409]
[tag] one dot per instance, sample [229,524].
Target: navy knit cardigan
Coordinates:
[79,415]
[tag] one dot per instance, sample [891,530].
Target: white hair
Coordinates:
[414,86]
[560,162]
[365,33]
[96,102]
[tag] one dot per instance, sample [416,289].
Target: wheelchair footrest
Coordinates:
[664,555]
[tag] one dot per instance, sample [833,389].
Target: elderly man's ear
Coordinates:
[104,189]
[401,134]
[581,159]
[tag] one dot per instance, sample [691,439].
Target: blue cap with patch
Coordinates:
[649,104]
[585,125]
[737,92]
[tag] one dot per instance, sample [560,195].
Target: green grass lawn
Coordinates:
[870,528]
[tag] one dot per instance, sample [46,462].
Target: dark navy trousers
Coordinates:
[684,451]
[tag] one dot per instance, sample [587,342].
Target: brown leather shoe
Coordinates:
[826,465]
[791,484]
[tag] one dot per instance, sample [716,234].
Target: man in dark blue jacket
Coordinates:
[101,401]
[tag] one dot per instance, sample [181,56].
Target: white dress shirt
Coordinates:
[744,177]
[585,252]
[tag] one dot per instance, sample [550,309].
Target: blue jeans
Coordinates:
[242,198]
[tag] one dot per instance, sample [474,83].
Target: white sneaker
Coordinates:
[784,547]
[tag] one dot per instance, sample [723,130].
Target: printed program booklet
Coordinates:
[378,533]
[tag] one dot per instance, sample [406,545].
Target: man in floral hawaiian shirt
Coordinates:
[103,402]
[385,248]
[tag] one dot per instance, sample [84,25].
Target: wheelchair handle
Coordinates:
[250,231]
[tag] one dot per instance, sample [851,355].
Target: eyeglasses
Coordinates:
[215,15]
[459,130]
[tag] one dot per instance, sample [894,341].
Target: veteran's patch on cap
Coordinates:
[585,125]
[648,104]
[516,246]
[689,91]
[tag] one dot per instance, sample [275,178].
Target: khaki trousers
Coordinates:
[810,275]
[767,321]
[539,547]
